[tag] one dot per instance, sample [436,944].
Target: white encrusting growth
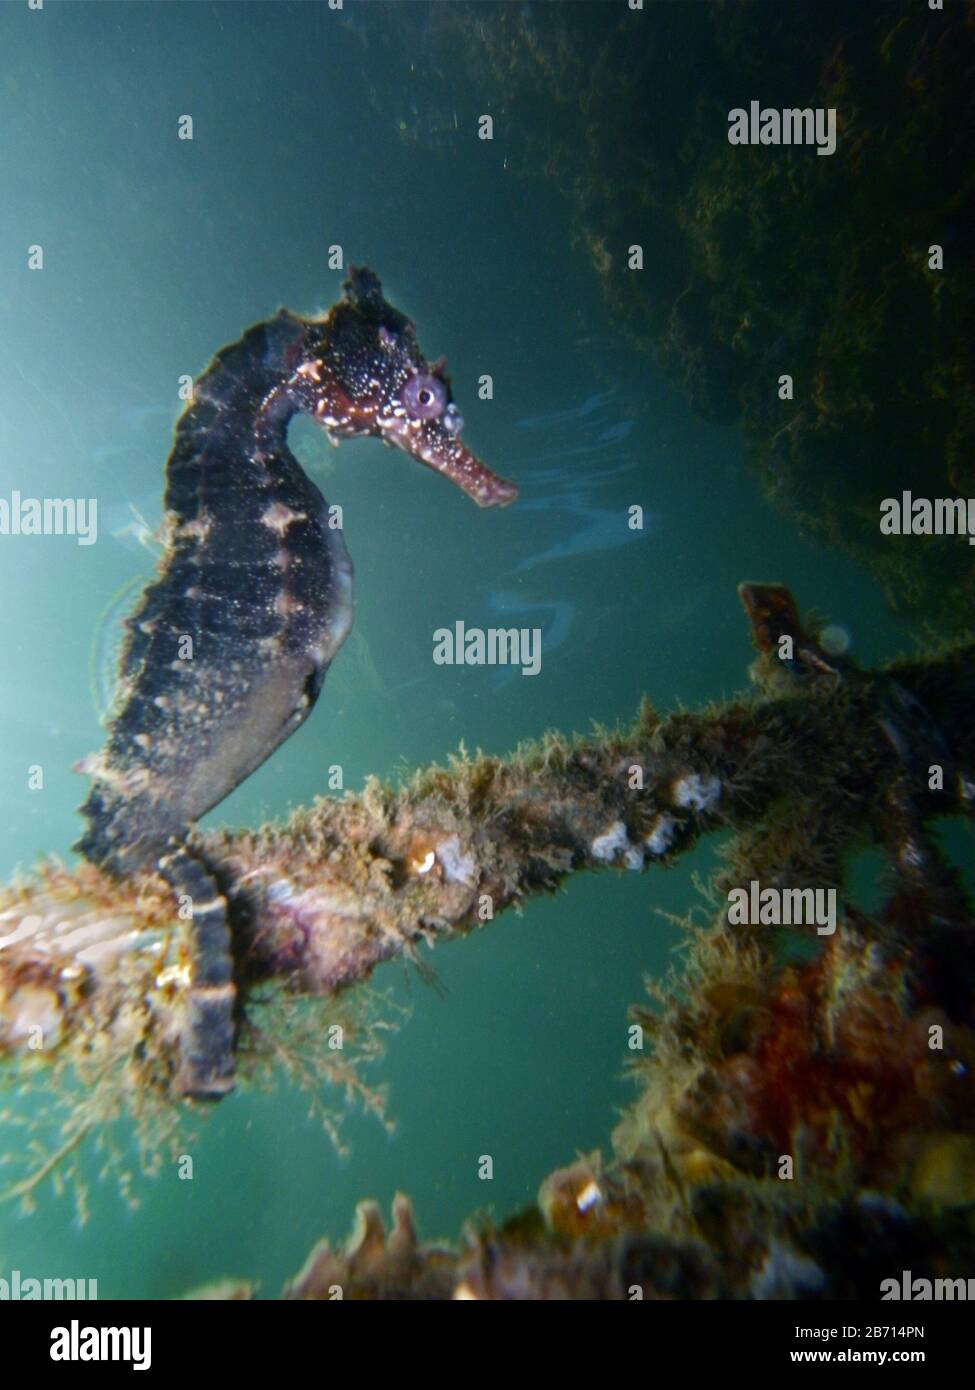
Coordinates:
[661,837]
[615,841]
[34,1019]
[697,793]
[457,867]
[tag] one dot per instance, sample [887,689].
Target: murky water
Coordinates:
[314,129]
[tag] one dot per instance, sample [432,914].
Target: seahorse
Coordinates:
[226,652]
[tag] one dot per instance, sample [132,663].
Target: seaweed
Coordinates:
[764,261]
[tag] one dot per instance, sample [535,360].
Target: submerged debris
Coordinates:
[784,1101]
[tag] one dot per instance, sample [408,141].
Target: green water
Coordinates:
[310,130]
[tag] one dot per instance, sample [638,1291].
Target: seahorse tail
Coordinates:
[206,1065]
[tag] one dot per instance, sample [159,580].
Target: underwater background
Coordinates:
[357,128]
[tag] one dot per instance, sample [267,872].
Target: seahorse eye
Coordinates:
[425,396]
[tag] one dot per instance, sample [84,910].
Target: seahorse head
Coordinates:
[364,373]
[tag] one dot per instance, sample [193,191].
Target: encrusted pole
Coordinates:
[826,756]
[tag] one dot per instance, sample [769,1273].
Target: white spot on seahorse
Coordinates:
[196,530]
[278,517]
[285,604]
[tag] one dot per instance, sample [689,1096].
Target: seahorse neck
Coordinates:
[242,403]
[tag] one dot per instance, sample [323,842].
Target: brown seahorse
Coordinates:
[227,650]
